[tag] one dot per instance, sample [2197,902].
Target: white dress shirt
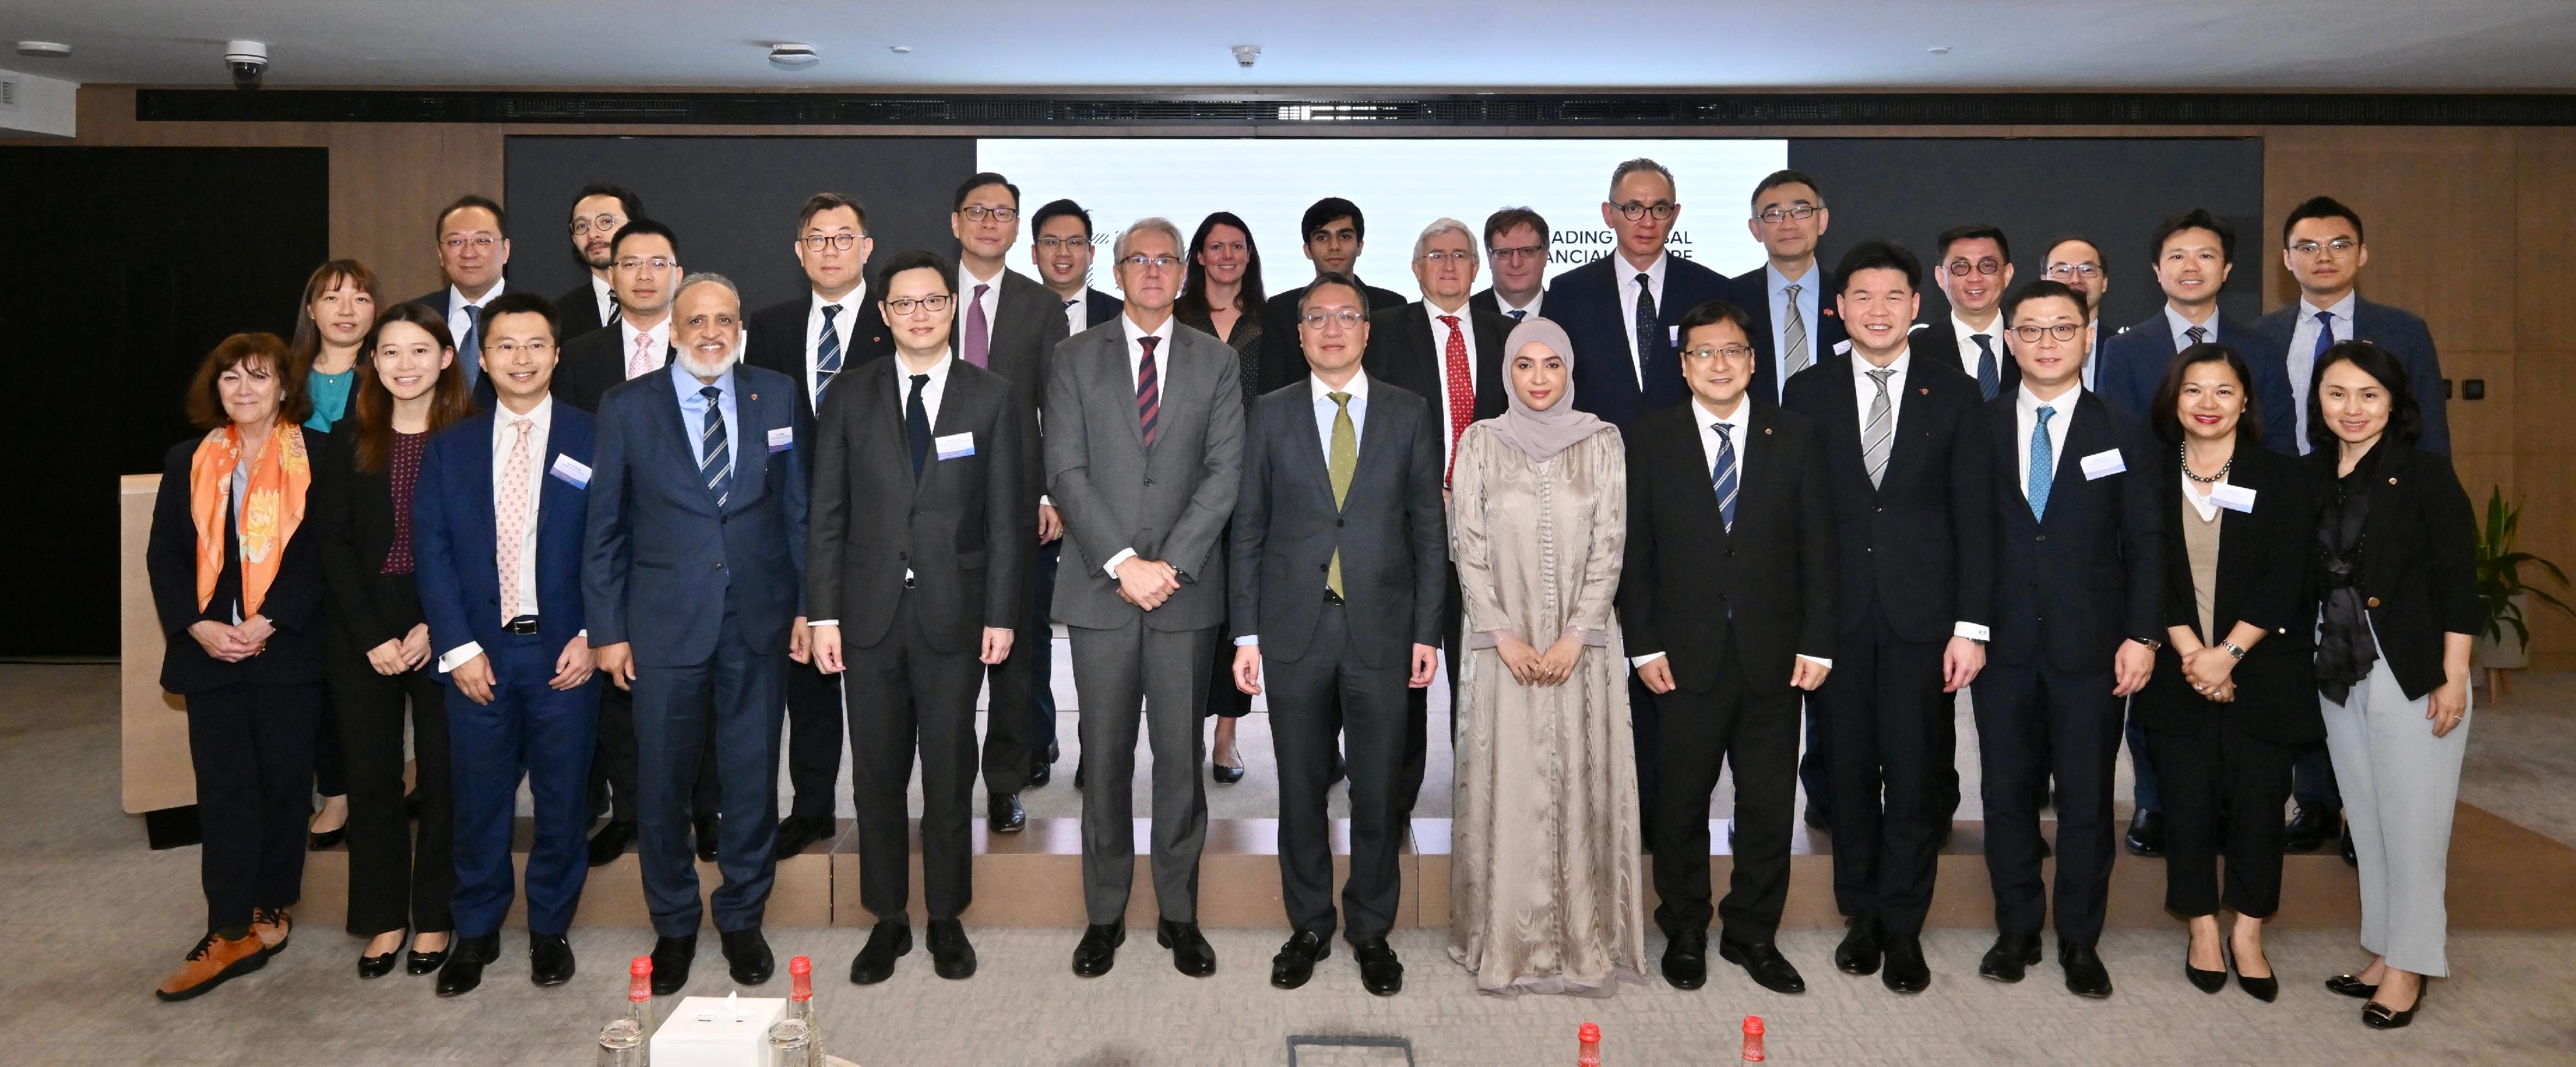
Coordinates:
[1739,430]
[2092,352]
[2026,405]
[505,435]
[1968,352]
[660,332]
[1325,413]
[1530,310]
[601,295]
[1627,276]
[2175,322]
[852,304]
[2303,353]
[457,303]
[1163,384]
[1440,367]
[1077,309]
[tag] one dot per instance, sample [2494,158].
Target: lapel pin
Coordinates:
[2392,481]
[755,396]
[1766,431]
[1926,392]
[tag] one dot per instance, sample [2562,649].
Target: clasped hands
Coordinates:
[233,644]
[1147,583]
[2210,670]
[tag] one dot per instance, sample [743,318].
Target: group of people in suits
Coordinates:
[620,543]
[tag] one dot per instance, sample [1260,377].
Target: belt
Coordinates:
[524,624]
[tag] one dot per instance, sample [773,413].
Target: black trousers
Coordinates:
[396,881]
[252,749]
[1376,716]
[1886,719]
[905,695]
[2223,792]
[1697,734]
[612,767]
[813,739]
[2034,721]
[1008,753]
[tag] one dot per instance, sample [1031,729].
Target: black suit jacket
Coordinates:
[2134,362]
[592,364]
[2258,583]
[2398,330]
[1586,302]
[1686,576]
[1938,342]
[2070,588]
[294,601]
[353,517]
[1283,358]
[577,313]
[1484,300]
[1918,548]
[484,396]
[960,528]
[777,342]
[1391,528]
[1401,353]
[1028,322]
[1753,294]
[1099,307]
[2419,567]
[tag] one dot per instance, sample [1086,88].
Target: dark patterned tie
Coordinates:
[1645,325]
[1149,394]
[1518,314]
[827,354]
[1989,377]
[1723,477]
[916,424]
[715,461]
[2196,335]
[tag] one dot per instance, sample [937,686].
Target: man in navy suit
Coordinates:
[1061,251]
[1622,310]
[1794,323]
[497,523]
[693,586]
[1973,266]
[473,247]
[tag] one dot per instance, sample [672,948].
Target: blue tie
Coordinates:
[1989,379]
[2043,464]
[469,348]
[2325,335]
[1519,314]
[715,463]
[1723,477]
[827,354]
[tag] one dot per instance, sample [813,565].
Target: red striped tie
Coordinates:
[1149,394]
[1462,391]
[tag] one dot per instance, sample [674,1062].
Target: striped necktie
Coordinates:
[827,354]
[1723,476]
[1793,338]
[1149,393]
[1881,430]
[2195,335]
[715,460]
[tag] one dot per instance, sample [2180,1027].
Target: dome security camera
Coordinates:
[1246,54]
[248,61]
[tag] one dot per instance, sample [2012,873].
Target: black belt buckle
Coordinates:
[524,624]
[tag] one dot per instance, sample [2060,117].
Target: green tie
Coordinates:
[1344,458]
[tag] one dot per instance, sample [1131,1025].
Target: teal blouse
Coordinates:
[330,397]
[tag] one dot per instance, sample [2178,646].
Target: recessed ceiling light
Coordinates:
[900,49]
[44,49]
[1940,49]
[792,55]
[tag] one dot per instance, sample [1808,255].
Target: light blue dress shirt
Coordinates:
[693,410]
[1809,304]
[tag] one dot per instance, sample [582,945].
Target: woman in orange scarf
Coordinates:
[240,595]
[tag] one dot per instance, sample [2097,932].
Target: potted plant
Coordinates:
[2503,599]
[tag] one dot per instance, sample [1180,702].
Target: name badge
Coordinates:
[954,446]
[782,439]
[574,472]
[2232,497]
[2103,464]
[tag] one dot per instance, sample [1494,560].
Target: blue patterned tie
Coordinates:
[469,348]
[1723,477]
[1989,379]
[827,354]
[715,462]
[2043,464]
[1518,314]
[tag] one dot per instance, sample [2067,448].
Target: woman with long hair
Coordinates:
[331,326]
[1221,294]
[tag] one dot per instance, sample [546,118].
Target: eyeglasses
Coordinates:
[979,213]
[2064,331]
[1730,353]
[1778,215]
[1142,261]
[1661,209]
[1437,256]
[506,349]
[905,305]
[1959,268]
[1050,244]
[815,242]
[1518,253]
[1316,320]
[2063,271]
[482,244]
[656,263]
[725,319]
[602,223]
[2338,246]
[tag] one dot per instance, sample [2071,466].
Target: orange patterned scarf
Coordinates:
[279,478]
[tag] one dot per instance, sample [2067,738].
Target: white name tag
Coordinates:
[2232,497]
[2103,464]
[954,446]
[574,472]
[782,439]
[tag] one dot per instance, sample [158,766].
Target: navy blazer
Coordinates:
[2070,588]
[455,536]
[662,565]
[1586,302]
[1753,294]
[2134,362]
[1099,307]
[2398,330]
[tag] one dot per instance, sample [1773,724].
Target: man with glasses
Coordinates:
[1793,324]
[2076,263]
[1516,241]
[1623,311]
[1974,269]
[472,248]
[1335,232]
[1061,251]
[1144,456]
[597,213]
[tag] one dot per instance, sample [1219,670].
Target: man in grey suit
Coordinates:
[1143,455]
[1341,503]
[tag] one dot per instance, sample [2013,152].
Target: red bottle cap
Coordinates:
[1753,1025]
[640,984]
[800,979]
[1590,1032]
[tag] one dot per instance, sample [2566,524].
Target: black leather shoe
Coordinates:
[466,957]
[1078,776]
[951,956]
[796,832]
[1907,971]
[1191,953]
[549,959]
[377,966]
[2353,860]
[2205,981]
[1686,959]
[1003,814]
[1863,944]
[1223,774]
[1099,949]
[610,842]
[2146,836]
[314,842]
[1040,773]
[1763,961]
[2011,954]
[671,958]
[2380,1016]
[1296,960]
[2307,829]
[2085,975]
[1817,818]
[2265,989]
[417,962]
[2350,986]
[1380,972]
[889,941]
[747,955]
[707,828]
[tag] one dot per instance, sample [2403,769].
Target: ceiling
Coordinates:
[1182,45]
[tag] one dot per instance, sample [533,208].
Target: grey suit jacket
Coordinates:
[1028,324]
[1168,502]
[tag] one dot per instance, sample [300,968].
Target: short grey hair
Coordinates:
[707,277]
[1641,163]
[1149,224]
[1422,244]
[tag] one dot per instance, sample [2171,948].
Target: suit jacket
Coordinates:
[1918,548]
[1028,324]
[1687,577]
[1753,294]
[1937,342]
[2276,682]
[1099,307]
[1390,528]
[776,341]
[873,520]
[577,313]
[1586,302]
[2134,362]
[2070,588]
[662,564]
[295,597]
[1283,358]
[2419,570]
[484,396]
[594,363]
[2398,330]
[1168,502]
[354,513]
[1401,353]
[455,536]
[1484,300]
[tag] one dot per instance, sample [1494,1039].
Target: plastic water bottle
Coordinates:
[1753,1039]
[1588,1048]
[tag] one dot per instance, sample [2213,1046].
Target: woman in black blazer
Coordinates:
[2230,703]
[377,651]
[2396,570]
[237,582]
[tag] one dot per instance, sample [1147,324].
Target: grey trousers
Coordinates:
[1118,674]
[2399,785]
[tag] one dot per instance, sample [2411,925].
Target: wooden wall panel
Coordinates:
[2437,206]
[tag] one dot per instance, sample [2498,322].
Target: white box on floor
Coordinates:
[718,1032]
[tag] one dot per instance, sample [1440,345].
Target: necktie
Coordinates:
[1645,325]
[1723,476]
[715,461]
[1880,432]
[1149,394]
[916,424]
[2195,335]
[1462,390]
[2043,464]
[1989,377]
[512,521]
[1793,338]
[469,347]
[641,363]
[615,310]
[1339,463]
[1518,314]
[979,334]
[2301,368]
[827,354]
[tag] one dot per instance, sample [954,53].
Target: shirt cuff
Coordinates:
[459,656]
[1972,632]
[1046,500]
[1248,641]
[1590,638]
[822,622]
[1640,661]
[1817,660]
[1123,556]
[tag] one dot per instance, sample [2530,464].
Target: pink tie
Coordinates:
[513,517]
[979,334]
[641,363]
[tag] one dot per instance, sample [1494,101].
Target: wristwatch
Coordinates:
[2233,649]
[2152,644]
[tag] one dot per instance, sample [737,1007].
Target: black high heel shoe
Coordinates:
[2382,1017]
[1223,774]
[2350,986]
[377,966]
[318,842]
[421,963]
[2262,989]
[2205,981]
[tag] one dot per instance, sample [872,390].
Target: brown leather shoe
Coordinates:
[214,961]
[272,926]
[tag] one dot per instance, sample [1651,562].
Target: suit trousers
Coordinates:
[734,694]
[905,695]
[2400,787]
[612,768]
[1697,733]
[531,730]
[1016,682]
[1040,634]
[2034,721]
[1224,700]
[395,880]
[814,735]
[2223,791]
[1376,709]
[2312,781]
[1885,718]
[1120,674]
[252,749]
[2146,782]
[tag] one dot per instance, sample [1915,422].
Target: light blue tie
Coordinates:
[469,348]
[1724,476]
[2043,464]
